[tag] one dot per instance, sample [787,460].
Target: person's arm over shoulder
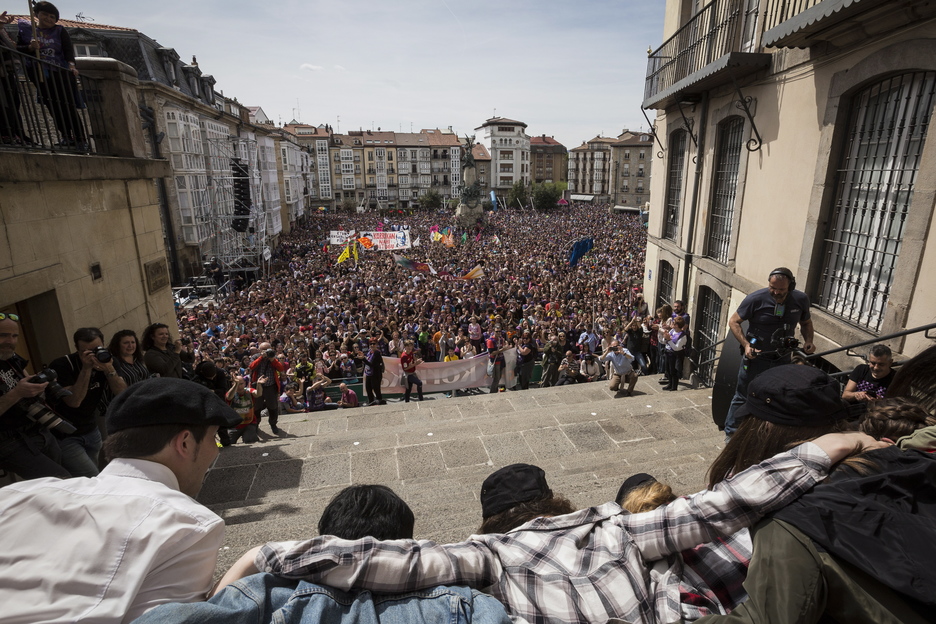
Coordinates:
[389,566]
[733,504]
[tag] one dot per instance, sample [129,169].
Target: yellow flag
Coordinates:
[344,255]
[354,249]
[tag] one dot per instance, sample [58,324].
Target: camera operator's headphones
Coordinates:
[784,272]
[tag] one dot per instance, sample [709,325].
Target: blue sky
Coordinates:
[568,69]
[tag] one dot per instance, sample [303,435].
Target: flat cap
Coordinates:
[168,401]
[796,396]
[512,485]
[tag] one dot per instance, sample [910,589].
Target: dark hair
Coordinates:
[916,380]
[206,369]
[87,334]
[114,345]
[148,335]
[880,350]
[757,440]
[894,418]
[46,7]
[367,510]
[552,505]
[146,441]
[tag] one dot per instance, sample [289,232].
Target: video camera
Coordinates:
[37,410]
[779,343]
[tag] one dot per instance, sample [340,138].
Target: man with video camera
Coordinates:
[85,374]
[27,447]
[772,314]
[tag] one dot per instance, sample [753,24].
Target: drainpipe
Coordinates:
[696,183]
[149,123]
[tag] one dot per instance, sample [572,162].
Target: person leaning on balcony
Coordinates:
[11,126]
[55,77]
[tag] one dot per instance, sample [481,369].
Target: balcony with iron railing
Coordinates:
[802,23]
[704,53]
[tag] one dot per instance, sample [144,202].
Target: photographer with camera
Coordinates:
[27,447]
[86,373]
[772,314]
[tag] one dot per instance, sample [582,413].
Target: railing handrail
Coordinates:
[779,11]
[48,109]
[876,340]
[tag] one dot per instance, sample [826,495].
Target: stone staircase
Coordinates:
[436,453]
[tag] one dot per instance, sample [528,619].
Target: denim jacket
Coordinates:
[268,598]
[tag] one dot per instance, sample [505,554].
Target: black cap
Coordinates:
[796,396]
[168,401]
[631,483]
[512,485]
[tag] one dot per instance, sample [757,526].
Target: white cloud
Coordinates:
[310,67]
[340,68]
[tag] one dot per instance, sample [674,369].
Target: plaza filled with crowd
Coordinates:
[313,307]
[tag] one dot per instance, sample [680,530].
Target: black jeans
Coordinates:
[412,379]
[31,454]
[269,400]
[372,385]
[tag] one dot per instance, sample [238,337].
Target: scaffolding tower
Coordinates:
[238,217]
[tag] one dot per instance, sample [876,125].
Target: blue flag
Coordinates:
[579,249]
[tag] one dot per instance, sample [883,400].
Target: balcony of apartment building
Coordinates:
[802,23]
[714,47]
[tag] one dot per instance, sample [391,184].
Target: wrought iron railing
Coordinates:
[779,11]
[45,107]
[703,364]
[710,34]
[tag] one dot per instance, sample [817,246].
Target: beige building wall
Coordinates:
[786,188]
[84,236]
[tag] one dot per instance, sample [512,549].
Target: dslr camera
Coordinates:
[101,354]
[37,410]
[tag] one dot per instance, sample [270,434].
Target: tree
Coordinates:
[432,200]
[546,195]
[348,205]
[517,196]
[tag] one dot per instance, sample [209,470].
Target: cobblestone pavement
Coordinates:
[436,453]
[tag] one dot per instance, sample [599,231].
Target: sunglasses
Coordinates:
[12,317]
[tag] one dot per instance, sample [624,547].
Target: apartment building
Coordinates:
[795,134]
[509,146]
[631,162]
[590,170]
[548,160]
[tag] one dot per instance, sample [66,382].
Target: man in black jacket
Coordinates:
[373,374]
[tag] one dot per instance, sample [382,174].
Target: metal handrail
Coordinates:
[906,332]
[45,107]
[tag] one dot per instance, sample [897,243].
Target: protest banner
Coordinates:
[448,376]
[388,241]
[340,237]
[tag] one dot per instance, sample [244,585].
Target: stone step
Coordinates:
[436,453]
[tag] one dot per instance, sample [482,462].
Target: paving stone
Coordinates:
[692,418]
[326,470]
[370,467]
[514,422]
[440,431]
[502,406]
[548,442]
[302,428]
[345,443]
[422,460]
[227,484]
[463,452]
[588,437]
[276,478]
[257,453]
[375,420]
[332,425]
[624,429]
[508,448]
[662,426]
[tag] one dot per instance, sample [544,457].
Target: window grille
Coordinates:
[725,188]
[885,136]
[674,183]
[665,291]
[708,332]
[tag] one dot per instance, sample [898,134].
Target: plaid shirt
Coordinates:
[589,566]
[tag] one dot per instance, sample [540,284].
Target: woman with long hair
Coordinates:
[128,357]
[161,356]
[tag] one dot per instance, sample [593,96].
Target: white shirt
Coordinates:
[103,550]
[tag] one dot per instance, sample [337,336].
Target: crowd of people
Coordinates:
[312,310]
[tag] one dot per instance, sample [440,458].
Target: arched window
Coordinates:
[674,183]
[725,187]
[883,145]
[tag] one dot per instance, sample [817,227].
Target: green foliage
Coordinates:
[518,196]
[547,194]
[431,200]
[347,205]
[487,205]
